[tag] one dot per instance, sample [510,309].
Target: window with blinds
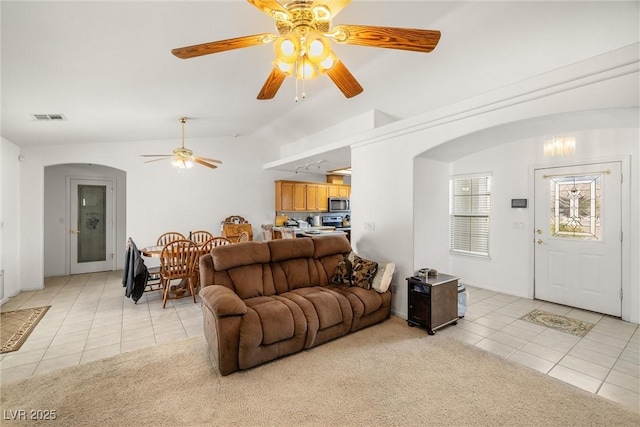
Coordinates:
[469,210]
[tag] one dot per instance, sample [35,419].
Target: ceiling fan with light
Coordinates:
[182,157]
[303,48]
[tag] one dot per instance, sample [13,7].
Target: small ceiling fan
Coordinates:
[182,156]
[303,47]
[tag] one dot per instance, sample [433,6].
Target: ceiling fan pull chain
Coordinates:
[304,94]
[295,70]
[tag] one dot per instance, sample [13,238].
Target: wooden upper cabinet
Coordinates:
[323,197]
[312,197]
[299,197]
[339,190]
[284,196]
[307,196]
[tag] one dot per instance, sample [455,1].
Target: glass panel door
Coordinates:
[577,243]
[92,213]
[92,233]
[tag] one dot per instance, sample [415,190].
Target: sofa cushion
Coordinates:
[362,272]
[286,249]
[382,280]
[248,280]
[276,319]
[293,273]
[363,301]
[330,245]
[342,272]
[229,256]
[327,307]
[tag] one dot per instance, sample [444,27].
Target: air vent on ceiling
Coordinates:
[49,117]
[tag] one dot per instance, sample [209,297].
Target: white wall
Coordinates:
[383,163]
[431,207]
[509,268]
[10,218]
[159,197]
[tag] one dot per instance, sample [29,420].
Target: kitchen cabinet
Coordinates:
[317,198]
[312,197]
[290,196]
[339,190]
[323,198]
[294,196]
[299,197]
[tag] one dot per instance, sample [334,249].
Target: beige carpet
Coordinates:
[388,374]
[17,325]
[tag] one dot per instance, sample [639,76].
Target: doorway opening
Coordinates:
[84,219]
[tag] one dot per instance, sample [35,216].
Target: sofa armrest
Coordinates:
[222,301]
[205,267]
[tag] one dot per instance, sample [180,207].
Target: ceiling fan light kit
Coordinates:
[183,157]
[303,43]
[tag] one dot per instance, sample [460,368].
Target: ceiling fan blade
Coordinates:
[273,83]
[156,160]
[155,155]
[388,37]
[222,45]
[267,6]
[203,163]
[211,160]
[345,81]
[334,6]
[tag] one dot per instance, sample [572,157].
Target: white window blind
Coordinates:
[470,208]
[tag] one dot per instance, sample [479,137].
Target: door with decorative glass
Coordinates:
[577,239]
[92,230]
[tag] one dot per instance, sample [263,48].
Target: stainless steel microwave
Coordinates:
[339,204]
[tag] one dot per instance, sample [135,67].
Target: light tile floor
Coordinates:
[90,319]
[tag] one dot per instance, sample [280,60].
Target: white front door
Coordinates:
[578,230]
[92,233]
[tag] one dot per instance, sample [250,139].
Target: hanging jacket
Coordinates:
[135,273]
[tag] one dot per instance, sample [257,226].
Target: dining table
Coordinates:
[152,251]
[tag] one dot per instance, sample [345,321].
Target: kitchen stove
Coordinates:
[332,221]
[338,221]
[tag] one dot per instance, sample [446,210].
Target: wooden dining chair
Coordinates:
[243,237]
[200,236]
[287,233]
[154,272]
[169,237]
[178,261]
[267,232]
[220,241]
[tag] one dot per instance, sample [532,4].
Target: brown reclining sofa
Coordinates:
[264,300]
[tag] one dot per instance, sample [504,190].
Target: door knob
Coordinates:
[539,241]
[74,231]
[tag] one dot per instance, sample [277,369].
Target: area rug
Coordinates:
[17,325]
[576,327]
[385,375]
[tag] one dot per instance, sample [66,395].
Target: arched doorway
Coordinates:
[84,218]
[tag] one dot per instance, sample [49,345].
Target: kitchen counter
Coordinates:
[313,233]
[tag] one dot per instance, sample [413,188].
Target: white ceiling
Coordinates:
[107,66]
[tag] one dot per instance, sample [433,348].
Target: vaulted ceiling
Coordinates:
[107,66]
